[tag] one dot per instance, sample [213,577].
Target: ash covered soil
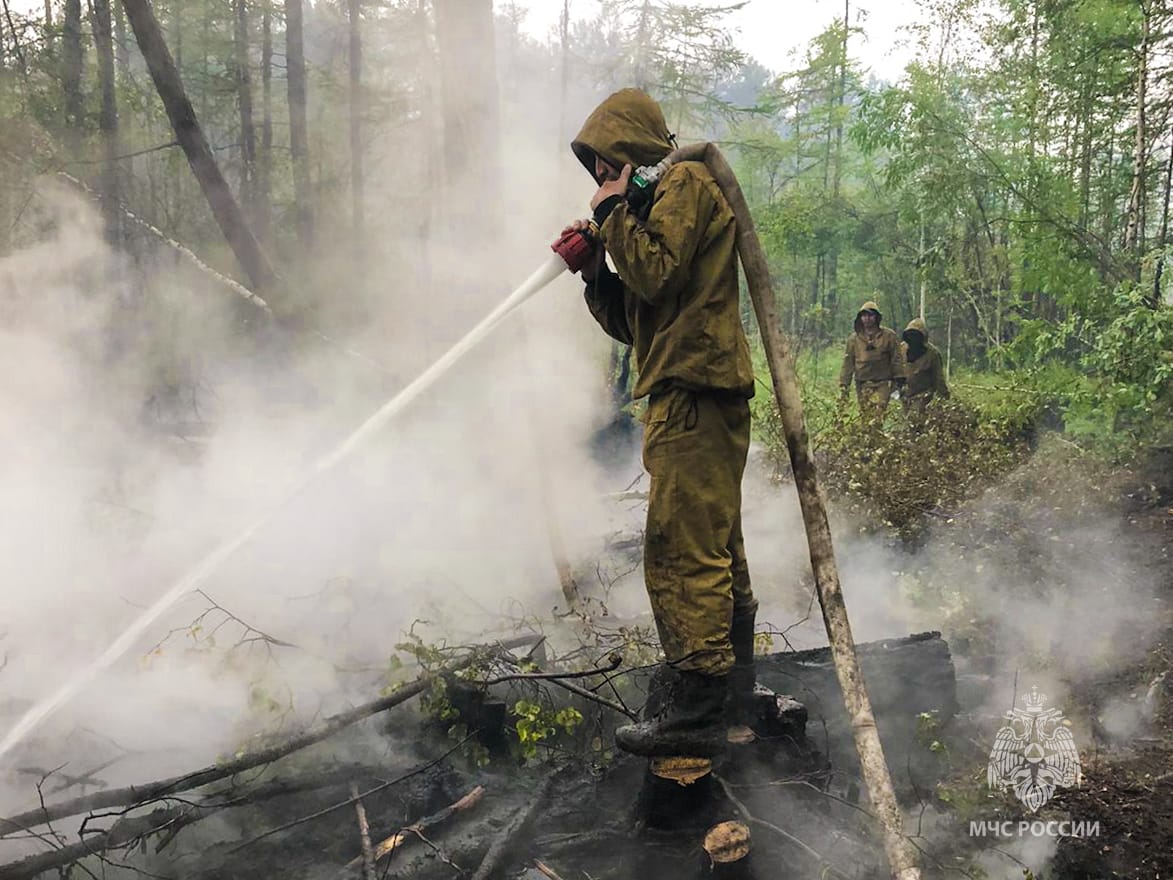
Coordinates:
[1110,668]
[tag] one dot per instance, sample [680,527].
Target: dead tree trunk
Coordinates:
[195,146]
[265,159]
[71,64]
[356,114]
[108,121]
[244,98]
[298,130]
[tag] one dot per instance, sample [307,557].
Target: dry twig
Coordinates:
[396,840]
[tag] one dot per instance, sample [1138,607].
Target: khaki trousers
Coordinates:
[695,447]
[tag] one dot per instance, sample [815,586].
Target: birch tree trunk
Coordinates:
[1163,237]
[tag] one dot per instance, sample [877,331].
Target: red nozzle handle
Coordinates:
[575,248]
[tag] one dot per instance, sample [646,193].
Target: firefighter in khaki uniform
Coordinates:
[924,368]
[674,297]
[874,359]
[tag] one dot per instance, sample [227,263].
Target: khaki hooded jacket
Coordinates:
[674,294]
[926,374]
[878,357]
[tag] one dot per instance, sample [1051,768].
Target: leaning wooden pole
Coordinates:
[195,146]
[898,848]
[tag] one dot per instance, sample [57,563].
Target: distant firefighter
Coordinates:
[874,359]
[924,369]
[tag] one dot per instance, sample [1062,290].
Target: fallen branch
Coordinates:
[499,850]
[222,279]
[614,662]
[396,840]
[165,822]
[139,794]
[346,803]
[123,833]
[188,254]
[545,870]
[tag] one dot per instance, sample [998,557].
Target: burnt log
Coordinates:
[906,678]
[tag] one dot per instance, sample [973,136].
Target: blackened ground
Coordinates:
[603,818]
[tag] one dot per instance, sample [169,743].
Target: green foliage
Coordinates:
[1118,397]
[928,732]
[536,723]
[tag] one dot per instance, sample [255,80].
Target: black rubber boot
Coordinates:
[690,720]
[742,678]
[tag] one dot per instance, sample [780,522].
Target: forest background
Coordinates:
[1012,186]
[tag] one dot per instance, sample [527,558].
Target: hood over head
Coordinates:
[869,306]
[916,337]
[627,128]
[916,325]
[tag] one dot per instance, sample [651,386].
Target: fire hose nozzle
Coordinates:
[576,247]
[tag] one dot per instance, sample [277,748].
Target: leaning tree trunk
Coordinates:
[195,146]
[21,61]
[108,121]
[298,129]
